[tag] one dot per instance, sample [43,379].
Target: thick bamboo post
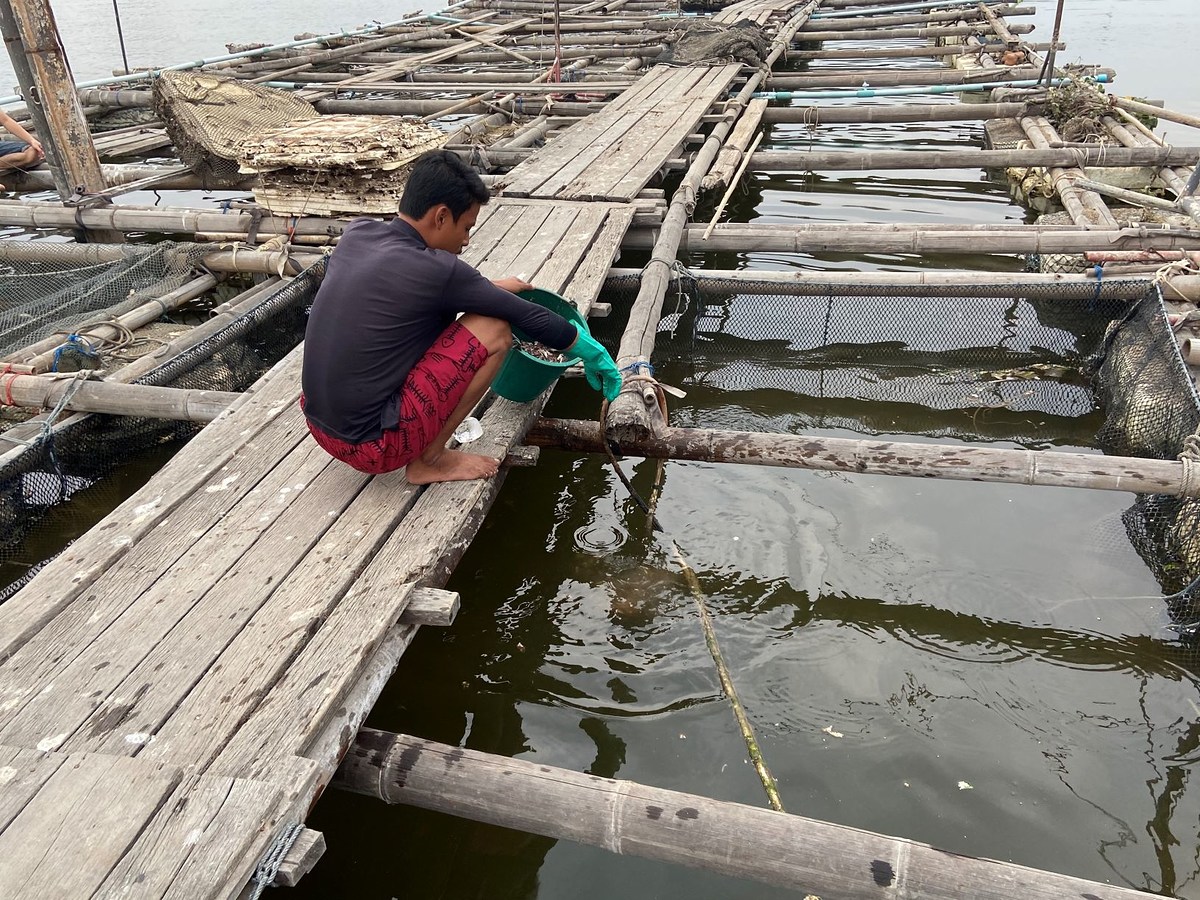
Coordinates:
[32,35]
[952,462]
[806,855]
[1085,207]
[897,34]
[41,392]
[878,78]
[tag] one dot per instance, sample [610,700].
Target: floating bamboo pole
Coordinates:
[863,160]
[42,392]
[805,855]
[1172,179]
[869,457]
[829,238]
[877,78]
[898,34]
[1027,285]
[907,112]
[1133,198]
[905,52]
[930,17]
[1146,109]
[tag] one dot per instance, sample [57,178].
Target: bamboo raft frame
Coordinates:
[427,66]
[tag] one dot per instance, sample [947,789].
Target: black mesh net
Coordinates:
[81,454]
[1078,365]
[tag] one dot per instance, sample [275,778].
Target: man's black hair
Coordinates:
[440,176]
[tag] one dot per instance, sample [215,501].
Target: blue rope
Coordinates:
[1096,296]
[79,344]
[635,368]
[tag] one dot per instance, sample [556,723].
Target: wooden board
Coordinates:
[613,154]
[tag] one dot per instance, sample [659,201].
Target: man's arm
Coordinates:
[514,284]
[13,127]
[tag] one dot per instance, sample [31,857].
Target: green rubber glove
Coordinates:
[602,373]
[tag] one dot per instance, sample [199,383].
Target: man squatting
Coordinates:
[389,371]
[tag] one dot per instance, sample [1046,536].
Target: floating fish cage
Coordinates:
[1083,366]
[40,298]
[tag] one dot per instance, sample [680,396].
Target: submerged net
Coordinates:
[1087,368]
[83,456]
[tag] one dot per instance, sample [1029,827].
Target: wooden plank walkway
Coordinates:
[613,154]
[178,686]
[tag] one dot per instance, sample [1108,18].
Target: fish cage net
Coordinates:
[1093,366]
[78,454]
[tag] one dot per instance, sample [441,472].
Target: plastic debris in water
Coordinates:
[828,729]
[965,786]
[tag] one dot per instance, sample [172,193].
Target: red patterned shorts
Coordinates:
[430,393]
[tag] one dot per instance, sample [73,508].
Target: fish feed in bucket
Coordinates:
[522,376]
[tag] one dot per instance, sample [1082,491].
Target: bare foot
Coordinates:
[451,465]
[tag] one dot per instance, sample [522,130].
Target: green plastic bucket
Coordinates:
[523,377]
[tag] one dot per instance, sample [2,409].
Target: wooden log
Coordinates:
[399,107]
[864,160]
[805,855]
[920,239]
[44,392]
[866,457]
[734,149]
[937,112]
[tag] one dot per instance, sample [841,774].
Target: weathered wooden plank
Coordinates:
[208,823]
[558,229]
[22,774]
[213,450]
[89,812]
[314,685]
[569,254]
[623,175]
[134,709]
[84,652]
[509,257]
[585,284]
[533,173]
[431,606]
[231,689]
[300,858]
[571,167]
[487,235]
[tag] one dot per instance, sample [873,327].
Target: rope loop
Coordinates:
[268,866]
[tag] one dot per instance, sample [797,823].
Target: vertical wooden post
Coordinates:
[31,37]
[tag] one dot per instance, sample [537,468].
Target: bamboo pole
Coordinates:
[864,160]
[40,355]
[935,112]
[1133,198]
[905,52]
[735,149]
[870,457]
[929,17]
[1001,239]
[899,34]
[1146,109]
[805,855]
[1027,285]
[1171,178]
[42,392]
[636,411]
[1086,208]
[878,78]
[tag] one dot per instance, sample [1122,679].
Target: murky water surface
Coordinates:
[980,666]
